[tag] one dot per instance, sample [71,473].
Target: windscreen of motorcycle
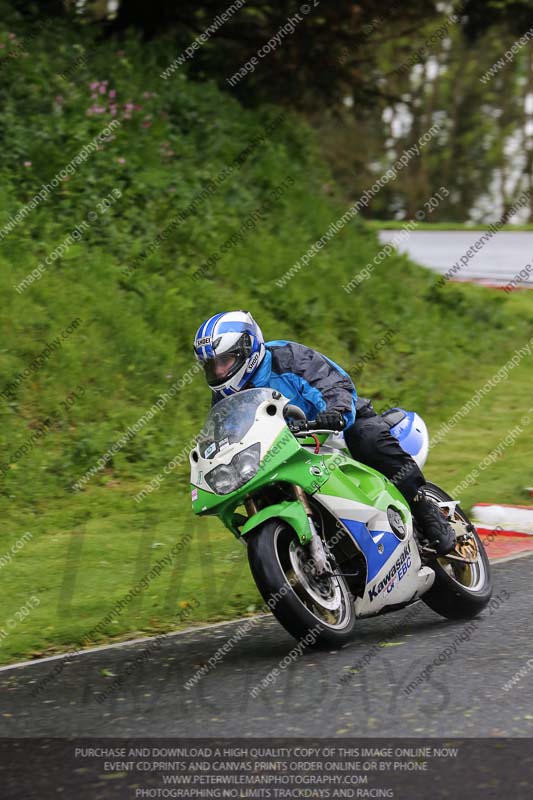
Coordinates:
[230,420]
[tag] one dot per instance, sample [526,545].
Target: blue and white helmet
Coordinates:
[230,347]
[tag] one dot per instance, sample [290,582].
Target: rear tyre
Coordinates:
[319,610]
[460,591]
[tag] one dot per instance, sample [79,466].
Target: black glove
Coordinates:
[330,420]
[297,425]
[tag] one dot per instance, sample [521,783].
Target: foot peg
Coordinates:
[435,528]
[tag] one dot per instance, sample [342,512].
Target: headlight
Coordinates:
[243,466]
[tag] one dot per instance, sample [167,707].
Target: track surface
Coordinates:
[463,695]
[498,261]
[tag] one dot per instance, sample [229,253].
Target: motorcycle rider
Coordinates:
[232,350]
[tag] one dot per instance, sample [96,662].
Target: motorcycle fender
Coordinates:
[290,511]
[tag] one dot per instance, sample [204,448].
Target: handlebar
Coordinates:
[298,423]
[299,426]
[305,427]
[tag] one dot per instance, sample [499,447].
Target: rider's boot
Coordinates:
[433,524]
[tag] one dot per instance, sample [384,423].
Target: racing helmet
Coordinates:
[230,347]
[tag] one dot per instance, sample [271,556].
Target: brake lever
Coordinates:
[321,430]
[313,432]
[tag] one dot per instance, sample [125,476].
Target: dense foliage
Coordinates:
[164,172]
[116,241]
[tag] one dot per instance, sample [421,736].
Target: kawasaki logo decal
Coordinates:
[396,572]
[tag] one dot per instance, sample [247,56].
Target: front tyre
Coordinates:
[460,590]
[317,609]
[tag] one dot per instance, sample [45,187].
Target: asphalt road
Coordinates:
[498,262]
[463,695]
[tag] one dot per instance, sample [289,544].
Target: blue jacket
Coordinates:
[308,379]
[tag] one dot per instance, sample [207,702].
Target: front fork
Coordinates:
[316,546]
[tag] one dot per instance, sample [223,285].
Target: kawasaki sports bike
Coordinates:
[329,539]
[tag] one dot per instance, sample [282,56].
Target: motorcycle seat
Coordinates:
[393,416]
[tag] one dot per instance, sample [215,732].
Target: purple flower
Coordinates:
[121,160]
[95,110]
[94,86]
[112,93]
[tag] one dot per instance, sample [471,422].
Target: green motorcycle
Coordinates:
[329,539]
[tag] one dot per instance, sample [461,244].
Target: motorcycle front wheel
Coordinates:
[319,610]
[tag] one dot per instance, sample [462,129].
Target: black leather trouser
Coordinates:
[369,440]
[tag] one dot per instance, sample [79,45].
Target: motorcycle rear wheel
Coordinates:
[460,591]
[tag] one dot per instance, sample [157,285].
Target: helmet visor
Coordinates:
[222,367]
